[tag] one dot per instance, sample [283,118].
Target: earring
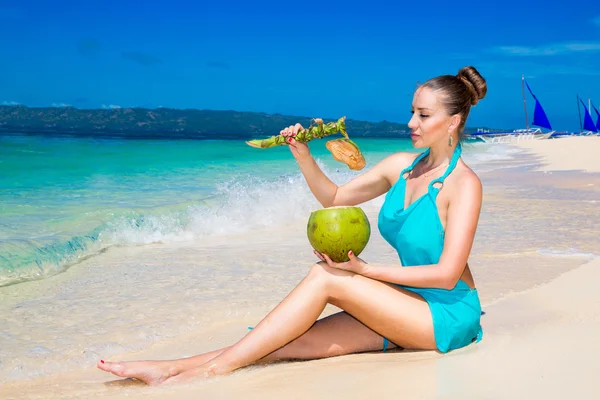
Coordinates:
[450,140]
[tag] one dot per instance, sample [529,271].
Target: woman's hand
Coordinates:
[299,150]
[356,265]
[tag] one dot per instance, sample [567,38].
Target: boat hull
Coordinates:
[516,136]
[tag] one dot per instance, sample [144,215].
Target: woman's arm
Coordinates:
[364,187]
[360,189]
[462,220]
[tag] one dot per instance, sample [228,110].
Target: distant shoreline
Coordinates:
[167,123]
[158,136]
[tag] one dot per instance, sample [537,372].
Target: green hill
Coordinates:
[169,123]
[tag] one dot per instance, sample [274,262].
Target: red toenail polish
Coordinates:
[102,361]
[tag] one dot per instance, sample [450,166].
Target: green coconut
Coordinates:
[337,230]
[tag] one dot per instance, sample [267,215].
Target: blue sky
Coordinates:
[311,58]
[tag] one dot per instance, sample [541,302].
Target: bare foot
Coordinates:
[190,375]
[150,372]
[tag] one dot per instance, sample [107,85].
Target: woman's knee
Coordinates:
[318,268]
[323,271]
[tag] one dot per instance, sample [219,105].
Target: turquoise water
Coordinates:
[62,199]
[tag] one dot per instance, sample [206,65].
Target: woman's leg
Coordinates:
[335,335]
[400,315]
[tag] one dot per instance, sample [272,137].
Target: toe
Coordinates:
[112,367]
[103,365]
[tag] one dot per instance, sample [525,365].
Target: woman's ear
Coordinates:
[454,122]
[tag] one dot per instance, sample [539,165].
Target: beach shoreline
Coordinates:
[577,153]
[538,331]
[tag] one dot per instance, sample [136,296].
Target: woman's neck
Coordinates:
[440,154]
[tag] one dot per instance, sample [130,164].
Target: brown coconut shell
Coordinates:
[344,150]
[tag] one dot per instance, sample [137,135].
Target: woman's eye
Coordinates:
[424,116]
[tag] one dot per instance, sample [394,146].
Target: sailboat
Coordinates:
[597,119]
[540,119]
[588,123]
[586,127]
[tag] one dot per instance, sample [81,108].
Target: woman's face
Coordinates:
[430,123]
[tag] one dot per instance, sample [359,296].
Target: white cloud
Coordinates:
[549,49]
[10,103]
[110,106]
[60,105]
[531,69]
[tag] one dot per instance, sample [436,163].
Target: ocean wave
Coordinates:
[242,204]
[478,153]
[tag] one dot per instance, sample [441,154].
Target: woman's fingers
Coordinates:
[291,131]
[328,260]
[296,129]
[319,256]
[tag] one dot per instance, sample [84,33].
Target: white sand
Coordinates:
[566,153]
[542,343]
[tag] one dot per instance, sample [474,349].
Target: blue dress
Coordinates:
[417,235]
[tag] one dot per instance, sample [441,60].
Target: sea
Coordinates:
[66,199]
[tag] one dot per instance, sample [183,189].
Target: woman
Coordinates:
[429,216]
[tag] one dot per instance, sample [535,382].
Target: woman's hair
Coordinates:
[459,92]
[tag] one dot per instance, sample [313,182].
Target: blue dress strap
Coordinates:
[453,162]
[417,159]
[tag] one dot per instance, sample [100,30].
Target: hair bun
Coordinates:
[474,82]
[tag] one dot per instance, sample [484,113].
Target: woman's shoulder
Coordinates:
[392,165]
[465,181]
[400,160]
